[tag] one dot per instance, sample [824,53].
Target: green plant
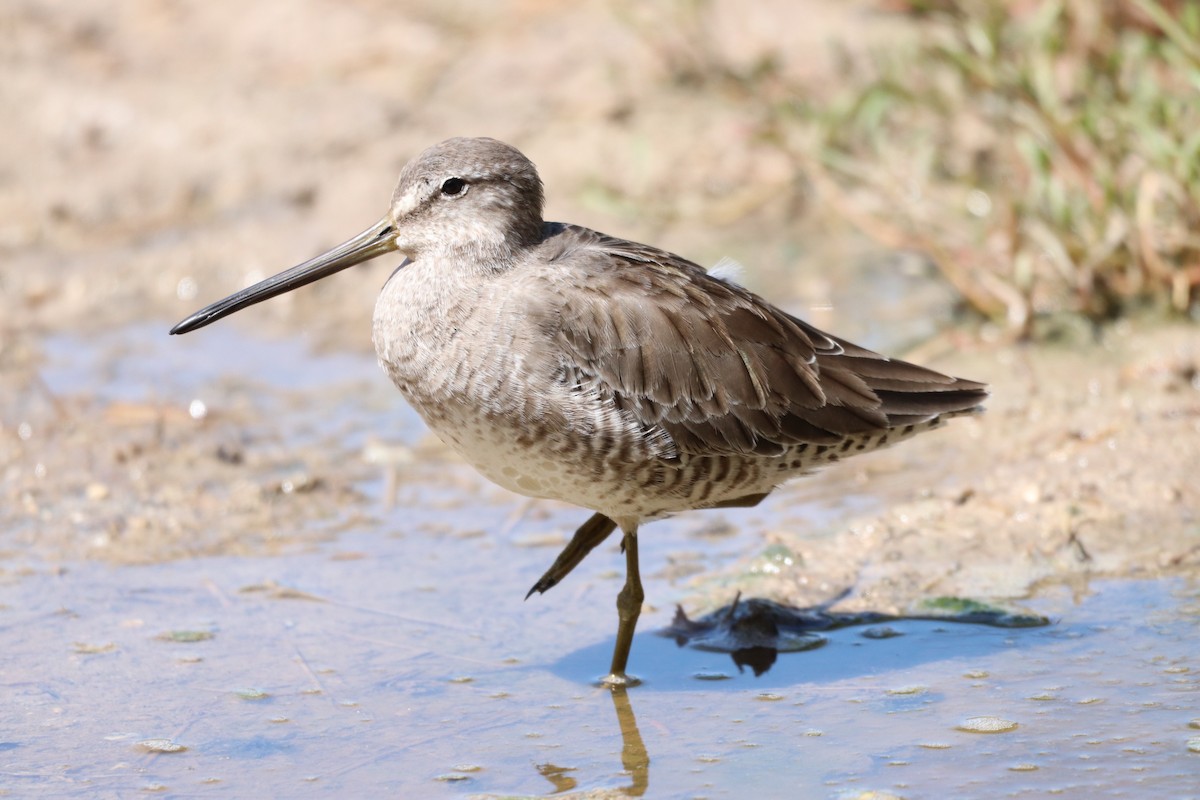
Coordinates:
[1045,156]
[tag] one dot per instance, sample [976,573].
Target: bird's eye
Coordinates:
[454,186]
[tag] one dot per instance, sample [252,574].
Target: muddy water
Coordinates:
[370,650]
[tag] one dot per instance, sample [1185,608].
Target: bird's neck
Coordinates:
[477,258]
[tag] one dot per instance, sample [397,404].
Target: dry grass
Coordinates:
[1047,158]
[1045,155]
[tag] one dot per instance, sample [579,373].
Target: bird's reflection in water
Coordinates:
[558,776]
[634,759]
[754,631]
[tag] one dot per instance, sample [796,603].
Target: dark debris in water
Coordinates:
[755,630]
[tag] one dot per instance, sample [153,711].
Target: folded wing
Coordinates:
[716,367]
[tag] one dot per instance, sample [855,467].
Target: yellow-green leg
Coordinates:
[591,533]
[629,606]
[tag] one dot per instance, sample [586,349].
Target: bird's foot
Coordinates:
[548,581]
[591,533]
[619,681]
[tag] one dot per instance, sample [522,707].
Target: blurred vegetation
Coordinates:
[1044,155]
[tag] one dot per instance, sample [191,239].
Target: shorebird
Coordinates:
[564,363]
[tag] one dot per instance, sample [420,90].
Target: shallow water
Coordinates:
[394,654]
[390,674]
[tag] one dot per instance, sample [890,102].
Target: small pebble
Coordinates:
[986,725]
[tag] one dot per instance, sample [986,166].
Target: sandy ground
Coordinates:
[1081,467]
[160,155]
[166,154]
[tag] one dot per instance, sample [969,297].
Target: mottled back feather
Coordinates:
[717,368]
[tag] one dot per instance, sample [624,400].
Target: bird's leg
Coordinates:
[629,606]
[591,533]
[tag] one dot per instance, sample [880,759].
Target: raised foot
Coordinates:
[591,533]
[545,583]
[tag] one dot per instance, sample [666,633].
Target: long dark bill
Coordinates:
[374,241]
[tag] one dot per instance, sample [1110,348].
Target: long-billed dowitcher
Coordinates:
[565,363]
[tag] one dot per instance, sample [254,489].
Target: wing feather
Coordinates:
[715,367]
